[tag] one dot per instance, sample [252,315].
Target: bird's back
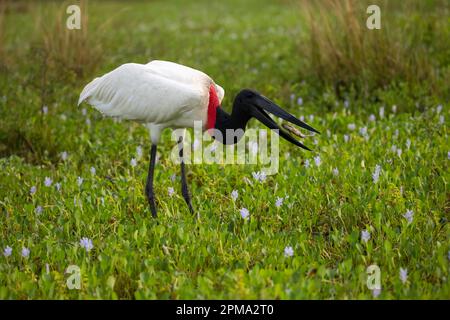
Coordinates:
[183,74]
[158,92]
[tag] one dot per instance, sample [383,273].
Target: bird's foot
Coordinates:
[187,198]
[153,210]
[151,203]
[191,210]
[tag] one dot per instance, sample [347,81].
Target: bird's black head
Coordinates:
[251,104]
[246,100]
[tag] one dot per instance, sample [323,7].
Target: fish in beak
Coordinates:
[262,106]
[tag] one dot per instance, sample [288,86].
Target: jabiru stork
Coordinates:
[163,94]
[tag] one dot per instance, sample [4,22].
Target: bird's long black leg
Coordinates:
[184,187]
[149,186]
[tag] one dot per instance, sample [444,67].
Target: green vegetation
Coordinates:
[367,104]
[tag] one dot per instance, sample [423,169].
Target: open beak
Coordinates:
[262,104]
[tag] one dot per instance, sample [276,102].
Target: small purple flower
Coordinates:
[363,131]
[33,190]
[365,235]
[346,138]
[399,152]
[79,181]
[84,111]
[292,97]
[317,161]
[346,103]
[408,143]
[38,210]
[259,176]
[44,109]
[133,162]
[376,292]
[307,163]
[88,121]
[376,173]
[234,195]
[244,213]
[93,171]
[25,252]
[409,215]
[299,101]
[372,118]
[170,191]
[288,251]
[86,244]
[279,202]
[47,182]
[351,126]
[441,119]
[64,155]
[403,275]
[335,172]
[173,177]
[439,108]
[58,186]
[138,152]
[7,251]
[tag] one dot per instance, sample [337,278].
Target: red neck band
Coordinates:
[212,106]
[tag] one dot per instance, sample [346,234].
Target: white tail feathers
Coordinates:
[87,91]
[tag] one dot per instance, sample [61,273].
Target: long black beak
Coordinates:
[262,104]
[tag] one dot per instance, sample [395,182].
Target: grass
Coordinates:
[220,255]
[343,53]
[75,53]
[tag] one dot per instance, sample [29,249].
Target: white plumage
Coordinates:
[164,94]
[159,94]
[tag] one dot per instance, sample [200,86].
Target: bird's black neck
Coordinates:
[234,123]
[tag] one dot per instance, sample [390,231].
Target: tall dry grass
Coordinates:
[57,60]
[77,51]
[341,51]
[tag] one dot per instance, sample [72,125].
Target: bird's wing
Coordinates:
[136,92]
[183,74]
